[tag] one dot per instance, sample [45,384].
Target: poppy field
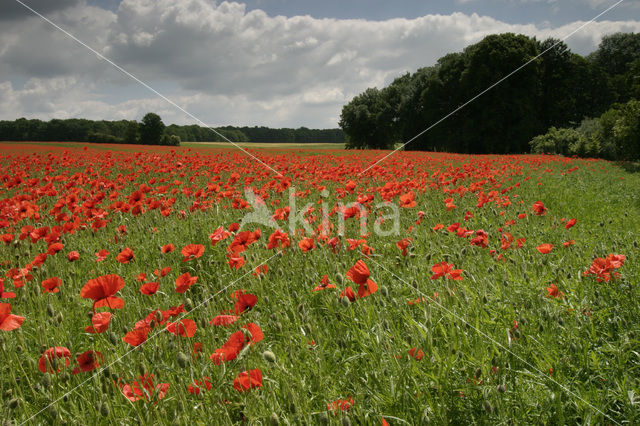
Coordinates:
[198,286]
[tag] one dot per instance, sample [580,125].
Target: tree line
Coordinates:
[152,131]
[559,89]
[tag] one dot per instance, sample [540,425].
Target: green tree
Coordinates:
[132,132]
[368,121]
[151,129]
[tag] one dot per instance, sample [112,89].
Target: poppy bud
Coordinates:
[46,380]
[346,421]
[345,301]
[143,369]
[53,412]
[171,345]
[113,338]
[59,318]
[323,418]
[104,409]
[501,388]
[428,257]
[183,360]
[64,377]
[274,420]
[279,326]
[269,356]
[385,291]
[188,304]
[477,373]
[484,298]
[13,403]
[50,310]
[339,278]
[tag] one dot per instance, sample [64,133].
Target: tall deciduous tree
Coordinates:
[151,129]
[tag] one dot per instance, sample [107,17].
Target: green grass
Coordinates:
[590,338]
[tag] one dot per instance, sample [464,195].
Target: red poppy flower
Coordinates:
[99,322]
[168,248]
[236,262]
[545,248]
[242,240]
[5,294]
[184,281]
[230,350]
[255,331]
[102,255]
[102,290]
[50,285]
[539,208]
[125,256]
[408,200]
[403,244]
[149,288]
[185,328]
[340,404]
[88,361]
[569,243]
[73,256]
[8,321]
[244,302]
[163,272]
[49,360]
[248,380]
[137,336]
[278,239]
[54,248]
[307,244]
[453,227]
[143,388]
[570,223]
[261,270]
[192,251]
[553,292]
[218,235]
[417,354]
[349,294]
[223,320]
[7,238]
[603,268]
[324,284]
[198,385]
[443,269]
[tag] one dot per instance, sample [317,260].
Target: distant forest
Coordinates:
[558,89]
[128,131]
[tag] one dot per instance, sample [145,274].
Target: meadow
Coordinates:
[149,285]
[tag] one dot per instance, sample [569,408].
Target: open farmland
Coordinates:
[160,285]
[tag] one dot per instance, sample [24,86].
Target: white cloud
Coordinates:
[229,66]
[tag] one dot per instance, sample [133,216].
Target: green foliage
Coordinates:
[151,129]
[129,131]
[368,121]
[103,138]
[557,141]
[620,131]
[170,140]
[558,89]
[614,136]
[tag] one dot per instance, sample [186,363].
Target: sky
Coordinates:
[276,63]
